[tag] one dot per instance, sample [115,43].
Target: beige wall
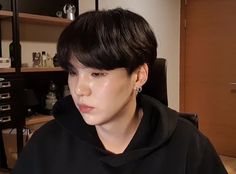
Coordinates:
[164,17]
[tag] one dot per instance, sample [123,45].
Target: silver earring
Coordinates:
[138,89]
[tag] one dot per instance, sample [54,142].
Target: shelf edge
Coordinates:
[40,19]
[5,14]
[7,70]
[34,69]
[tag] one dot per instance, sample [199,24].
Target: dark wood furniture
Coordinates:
[14,80]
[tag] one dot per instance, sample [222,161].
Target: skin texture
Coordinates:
[107,100]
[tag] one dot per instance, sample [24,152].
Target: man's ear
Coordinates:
[142,75]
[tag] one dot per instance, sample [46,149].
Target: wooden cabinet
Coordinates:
[12,106]
[11,110]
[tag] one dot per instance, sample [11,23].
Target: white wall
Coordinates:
[164,17]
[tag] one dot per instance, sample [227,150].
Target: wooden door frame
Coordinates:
[183,23]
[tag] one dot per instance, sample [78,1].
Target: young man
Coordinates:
[107,126]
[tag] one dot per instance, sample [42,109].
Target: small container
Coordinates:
[44,59]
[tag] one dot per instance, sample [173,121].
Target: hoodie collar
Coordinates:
[157,125]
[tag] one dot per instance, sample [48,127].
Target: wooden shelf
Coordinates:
[36,19]
[5,14]
[7,70]
[40,19]
[38,119]
[41,69]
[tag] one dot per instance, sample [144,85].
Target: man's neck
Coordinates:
[118,136]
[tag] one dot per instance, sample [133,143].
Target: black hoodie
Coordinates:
[164,143]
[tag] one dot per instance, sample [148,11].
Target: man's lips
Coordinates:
[85,108]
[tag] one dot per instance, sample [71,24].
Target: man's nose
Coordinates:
[82,87]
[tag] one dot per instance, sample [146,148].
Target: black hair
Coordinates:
[108,39]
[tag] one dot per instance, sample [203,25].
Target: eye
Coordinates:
[98,74]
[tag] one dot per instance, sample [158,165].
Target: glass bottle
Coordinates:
[44,58]
[51,98]
[11,54]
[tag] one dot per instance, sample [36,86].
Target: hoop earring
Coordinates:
[138,89]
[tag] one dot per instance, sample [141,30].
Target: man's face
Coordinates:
[101,96]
